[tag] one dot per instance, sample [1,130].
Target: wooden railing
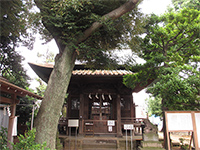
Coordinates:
[101,126]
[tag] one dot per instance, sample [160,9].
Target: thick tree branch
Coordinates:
[128,6]
[191,38]
[172,39]
[51,29]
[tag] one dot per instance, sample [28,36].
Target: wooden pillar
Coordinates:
[81,115]
[119,130]
[132,107]
[11,121]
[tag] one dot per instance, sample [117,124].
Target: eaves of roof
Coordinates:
[86,72]
[13,89]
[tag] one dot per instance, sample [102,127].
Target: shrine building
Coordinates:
[98,102]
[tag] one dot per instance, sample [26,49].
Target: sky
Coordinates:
[147,6]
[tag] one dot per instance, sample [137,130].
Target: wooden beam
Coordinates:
[5,100]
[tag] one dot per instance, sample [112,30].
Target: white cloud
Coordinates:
[154,6]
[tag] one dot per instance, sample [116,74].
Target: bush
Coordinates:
[28,142]
[3,138]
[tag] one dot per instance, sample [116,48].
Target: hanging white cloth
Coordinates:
[14,131]
[4,118]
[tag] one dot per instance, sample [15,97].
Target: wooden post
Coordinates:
[81,114]
[119,130]
[132,107]
[195,131]
[11,121]
[167,138]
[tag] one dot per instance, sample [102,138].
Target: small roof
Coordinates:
[13,89]
[44,71]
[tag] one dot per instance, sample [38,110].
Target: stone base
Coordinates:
[150,137]
[155,144]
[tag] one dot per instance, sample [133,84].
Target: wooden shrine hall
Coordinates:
[97,100]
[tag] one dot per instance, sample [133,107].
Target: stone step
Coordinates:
[99,146]
[99,149]
[155,144]
[100,141]
[151,148]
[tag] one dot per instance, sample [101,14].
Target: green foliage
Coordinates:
[25,142]
[171,50]
[24,110]
[67,20]
[41,88]
[3,138]
[13,24]
[179,91]
[186,3]
[28,142]
[48,57]
[183,146]
[154,106]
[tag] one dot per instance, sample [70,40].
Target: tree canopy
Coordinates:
[69,21]
[195,4]
[171,50]
[14,31]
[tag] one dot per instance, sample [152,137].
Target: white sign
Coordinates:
[109,128]
[183,121]
[73,123]
[111,123]
[128,126]
[179,122]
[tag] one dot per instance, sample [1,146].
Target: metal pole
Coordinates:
[76,139]
[126,141]
[32,117]
[69,137]
[131,140]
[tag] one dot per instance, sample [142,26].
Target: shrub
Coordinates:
[3,138]
[27,142]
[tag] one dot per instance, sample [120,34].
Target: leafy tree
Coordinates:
[14,30]
[154,106]
[84,30]
[41,88]
[48,56]
[171,50]
[195,4]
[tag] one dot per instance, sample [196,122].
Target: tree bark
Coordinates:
[47,119]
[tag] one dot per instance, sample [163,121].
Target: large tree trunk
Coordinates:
[47,119]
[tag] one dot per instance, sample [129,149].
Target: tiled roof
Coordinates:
[80,71]
[100,72]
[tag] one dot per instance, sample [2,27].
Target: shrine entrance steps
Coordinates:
[99,143]
[151,145]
